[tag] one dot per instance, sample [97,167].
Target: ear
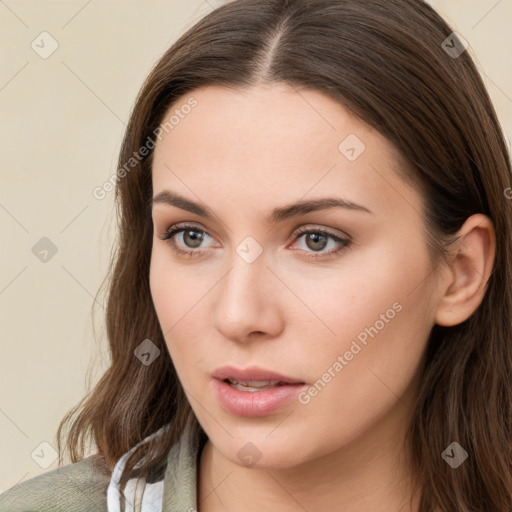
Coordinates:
[465,282]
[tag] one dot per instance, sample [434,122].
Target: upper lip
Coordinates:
[253,373]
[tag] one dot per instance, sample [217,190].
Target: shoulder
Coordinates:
[78,487]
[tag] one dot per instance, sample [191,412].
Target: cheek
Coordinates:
[381,314]
[163,291]
[174,292]
[179,298]
[373,288]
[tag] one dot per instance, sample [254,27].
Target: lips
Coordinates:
[253,392]
[253,377]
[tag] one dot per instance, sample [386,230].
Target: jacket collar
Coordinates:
[180,480]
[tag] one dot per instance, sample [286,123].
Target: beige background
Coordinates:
[62,121]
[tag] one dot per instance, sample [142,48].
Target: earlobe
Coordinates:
[468,272]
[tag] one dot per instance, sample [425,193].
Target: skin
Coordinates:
[243,153]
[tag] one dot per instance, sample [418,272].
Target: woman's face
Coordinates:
[346,309]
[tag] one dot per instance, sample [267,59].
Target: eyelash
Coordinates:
[178,228]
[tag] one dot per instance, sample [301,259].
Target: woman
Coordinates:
[310,307]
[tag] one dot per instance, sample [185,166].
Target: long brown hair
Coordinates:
[385,60]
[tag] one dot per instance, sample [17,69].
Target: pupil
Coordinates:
[195,238]
[314,237]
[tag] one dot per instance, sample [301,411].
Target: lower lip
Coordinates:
[254,403]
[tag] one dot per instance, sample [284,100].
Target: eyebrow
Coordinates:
[278,214]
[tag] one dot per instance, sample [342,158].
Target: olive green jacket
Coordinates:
[82,486]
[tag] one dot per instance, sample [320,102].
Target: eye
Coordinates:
[191,237]
[317,239]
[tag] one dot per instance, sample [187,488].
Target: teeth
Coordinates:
[253,385]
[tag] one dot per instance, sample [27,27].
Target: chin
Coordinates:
[254,450]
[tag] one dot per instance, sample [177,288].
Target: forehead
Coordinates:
[268,141]
[267,121]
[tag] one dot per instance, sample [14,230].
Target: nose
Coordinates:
[247,301]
